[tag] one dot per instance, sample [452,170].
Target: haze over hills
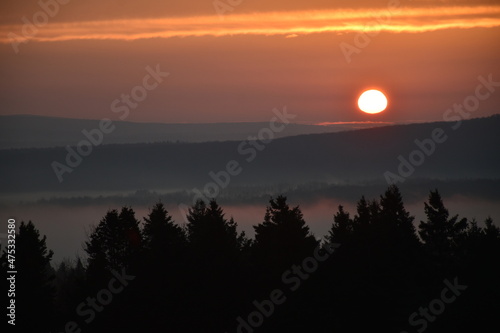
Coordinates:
[317,171]
[353,157]
[27,131]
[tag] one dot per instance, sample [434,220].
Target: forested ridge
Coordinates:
[322,158]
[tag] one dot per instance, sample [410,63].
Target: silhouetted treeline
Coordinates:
[376,269]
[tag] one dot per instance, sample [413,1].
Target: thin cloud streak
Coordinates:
[328,123]
[290,24]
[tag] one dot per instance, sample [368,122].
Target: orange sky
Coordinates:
[426,55]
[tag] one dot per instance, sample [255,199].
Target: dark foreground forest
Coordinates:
[374,271]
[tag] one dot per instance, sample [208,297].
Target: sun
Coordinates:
[372,101]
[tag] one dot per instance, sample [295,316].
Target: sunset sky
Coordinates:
[240,60]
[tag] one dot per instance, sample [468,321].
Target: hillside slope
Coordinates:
[469,152]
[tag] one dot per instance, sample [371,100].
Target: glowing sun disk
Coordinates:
[372,101]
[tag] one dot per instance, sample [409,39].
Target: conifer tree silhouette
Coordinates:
[34,290]
[342,227]
[362,219]
[283,238]
[491,231]
[395,219]
[211,234]
[113,244]
[214,280]
[440,232]
[161,279]
[162,237]
[70,286]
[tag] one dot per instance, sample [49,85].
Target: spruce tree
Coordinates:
[162,237]
[115,243]
[34,292]
[284,237]
[342,227]
[440,232]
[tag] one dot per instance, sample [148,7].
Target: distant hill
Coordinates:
[353,157]
[26,131]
